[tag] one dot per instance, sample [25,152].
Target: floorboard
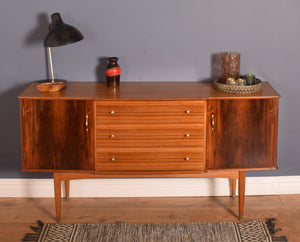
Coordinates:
[18,214]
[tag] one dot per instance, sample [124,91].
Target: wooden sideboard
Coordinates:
[148,129]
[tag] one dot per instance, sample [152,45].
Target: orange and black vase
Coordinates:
[113,72]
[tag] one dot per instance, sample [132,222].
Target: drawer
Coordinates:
[154,159]
[137,135]
[149,112]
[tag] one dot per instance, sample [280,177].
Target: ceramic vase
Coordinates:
[113,72]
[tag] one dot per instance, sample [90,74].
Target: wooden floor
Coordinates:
[17,214]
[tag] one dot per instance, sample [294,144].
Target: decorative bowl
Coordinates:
[50,86]
[238,88]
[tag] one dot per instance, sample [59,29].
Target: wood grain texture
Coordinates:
[244,133]
[143,91]
[150,135]
[54,135]
[154,159]
[143,135]
[150,108]
[149,112]
[164,123]
[242,186]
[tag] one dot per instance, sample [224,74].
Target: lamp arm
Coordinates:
[50,62]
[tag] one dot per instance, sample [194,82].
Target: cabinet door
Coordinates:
[57,134]
[242,133]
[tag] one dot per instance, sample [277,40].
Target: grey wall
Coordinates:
[158,40]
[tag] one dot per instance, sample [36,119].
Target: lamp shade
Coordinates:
[61,33]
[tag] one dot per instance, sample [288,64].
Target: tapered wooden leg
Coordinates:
[57,193]
[233,187]
[67,189]
[242,182]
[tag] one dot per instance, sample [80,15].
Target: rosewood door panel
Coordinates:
[57,134]
[242,133]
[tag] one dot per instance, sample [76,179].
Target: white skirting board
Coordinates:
[150,187]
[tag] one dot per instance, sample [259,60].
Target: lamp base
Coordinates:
[50,86]
[50,80]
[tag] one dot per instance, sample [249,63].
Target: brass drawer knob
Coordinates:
[187,158]
[112,159]
[187,135]
[112,112]
[187,111]
[112,136]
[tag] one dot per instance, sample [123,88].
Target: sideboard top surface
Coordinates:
[142,91]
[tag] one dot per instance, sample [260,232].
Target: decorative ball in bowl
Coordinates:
[50,86]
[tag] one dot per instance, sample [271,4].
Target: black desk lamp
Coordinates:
[59,34]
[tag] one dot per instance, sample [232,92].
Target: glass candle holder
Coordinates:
[230,65]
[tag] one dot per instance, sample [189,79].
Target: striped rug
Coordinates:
[182,232]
